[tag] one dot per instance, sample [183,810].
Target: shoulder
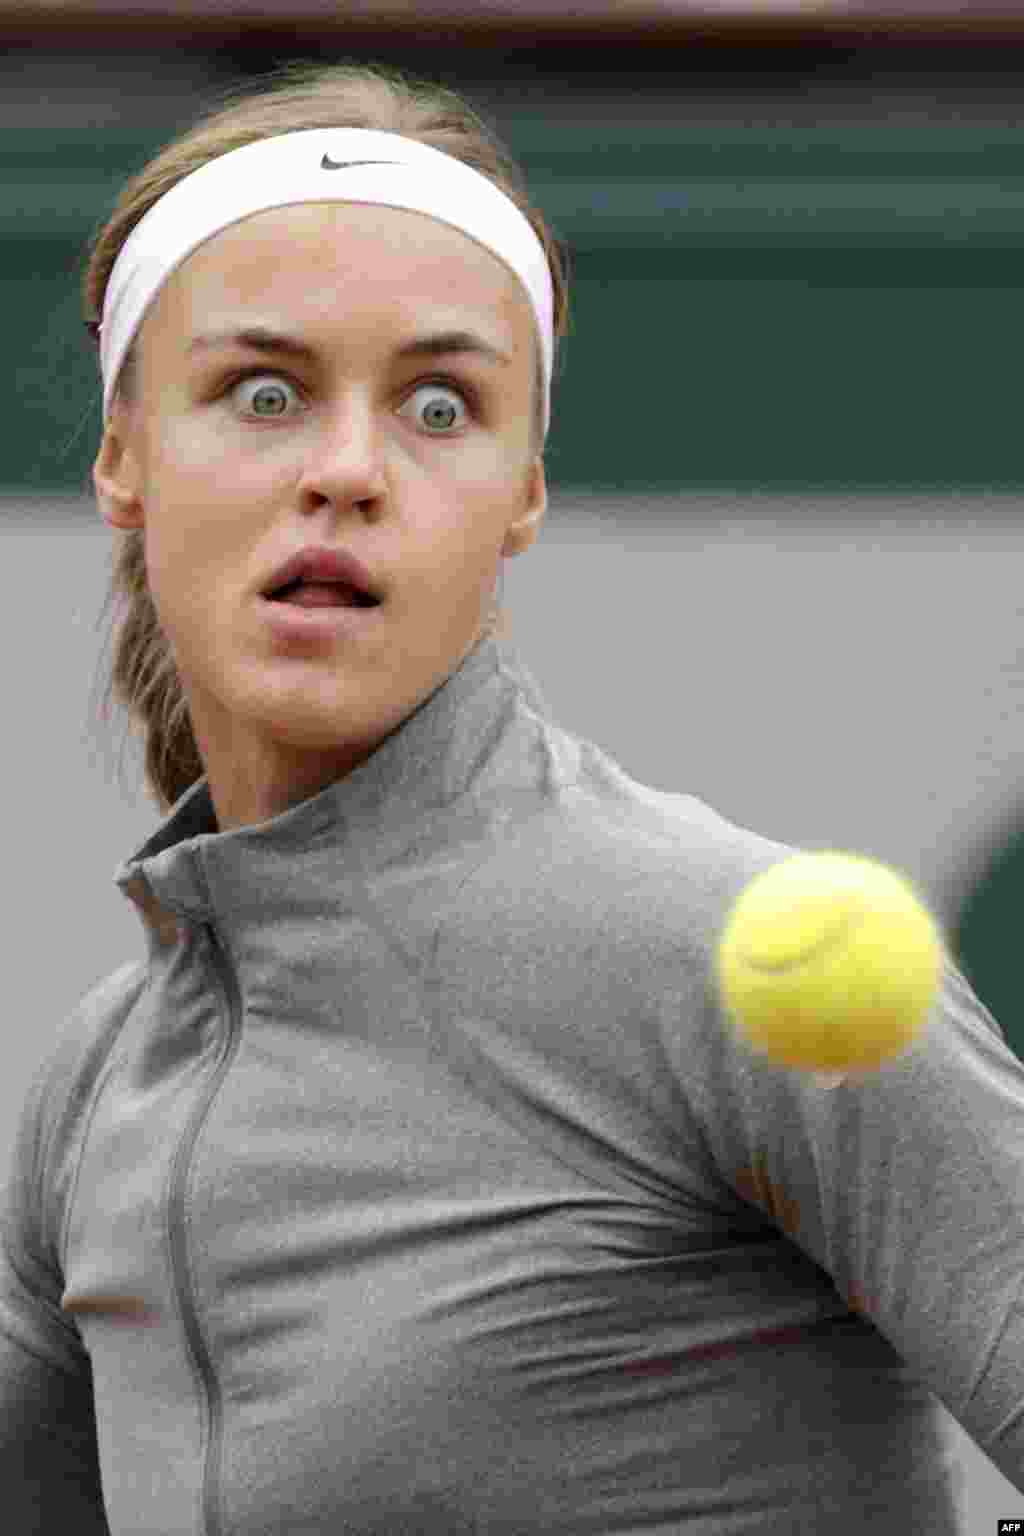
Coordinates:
[588,847]
[84,1039]
[60,1092]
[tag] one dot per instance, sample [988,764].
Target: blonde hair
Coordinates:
[143,677]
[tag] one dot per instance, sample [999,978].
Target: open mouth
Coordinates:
[321,594]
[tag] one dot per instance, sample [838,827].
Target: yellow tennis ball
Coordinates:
[829,961]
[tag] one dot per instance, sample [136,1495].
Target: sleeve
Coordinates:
[49,1464]
[907,1186]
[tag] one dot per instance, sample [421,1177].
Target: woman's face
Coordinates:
[418,465]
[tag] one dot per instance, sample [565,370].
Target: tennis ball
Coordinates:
[829,961]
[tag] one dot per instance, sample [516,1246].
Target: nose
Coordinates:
[345,459]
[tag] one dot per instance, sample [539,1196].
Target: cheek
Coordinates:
[201,469]
[185,567]
[464,554]
[195,528]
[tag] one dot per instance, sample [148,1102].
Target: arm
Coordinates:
[49,1468]
[907,1188]
[49,1462]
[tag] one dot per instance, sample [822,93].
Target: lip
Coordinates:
[323,565]
[289,621]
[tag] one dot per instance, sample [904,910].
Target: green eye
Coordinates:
[273,381]
[435,411]
[432,410]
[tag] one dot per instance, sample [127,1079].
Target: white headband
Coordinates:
[347,165]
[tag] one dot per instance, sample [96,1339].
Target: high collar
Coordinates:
[470,735]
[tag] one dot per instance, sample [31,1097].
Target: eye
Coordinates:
[440,415]
[263,399]
[434,409]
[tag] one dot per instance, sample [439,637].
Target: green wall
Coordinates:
[987,932]
[833,307]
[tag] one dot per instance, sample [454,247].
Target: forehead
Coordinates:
[335,265]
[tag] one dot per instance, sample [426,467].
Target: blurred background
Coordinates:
[782,563]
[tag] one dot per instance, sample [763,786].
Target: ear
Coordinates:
[117,481]
[522,533]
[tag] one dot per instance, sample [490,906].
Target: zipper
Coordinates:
[210,1390]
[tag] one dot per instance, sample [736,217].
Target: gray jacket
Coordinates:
[414,1183]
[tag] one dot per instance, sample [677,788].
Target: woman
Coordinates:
[414,1182]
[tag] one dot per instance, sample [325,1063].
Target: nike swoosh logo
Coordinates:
[327,164]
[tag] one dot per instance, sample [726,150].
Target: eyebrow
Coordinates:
[260,339]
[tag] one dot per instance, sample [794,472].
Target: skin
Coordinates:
[347,453]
